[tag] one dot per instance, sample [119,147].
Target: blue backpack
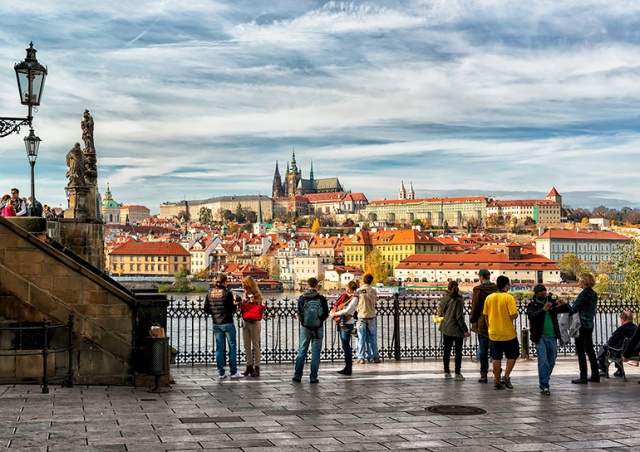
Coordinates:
[312,313]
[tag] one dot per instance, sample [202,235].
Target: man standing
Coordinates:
[220,304]
[313,310]
[479,322]
[543,317]
[626,329]
[500,310]
[367,323]
[20,205]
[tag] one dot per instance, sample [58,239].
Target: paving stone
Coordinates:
[379,408]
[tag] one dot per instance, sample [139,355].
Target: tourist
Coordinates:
[479,322]
[223,309]
[342,313]
[47,213]
[453,328]
[367,323]
[626,330]
[585,306]
[313,310]
[544,331]
[19,204]
[500,310]
[251,329]
[9,210]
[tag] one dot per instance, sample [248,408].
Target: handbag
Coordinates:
[569,324]
[251,311]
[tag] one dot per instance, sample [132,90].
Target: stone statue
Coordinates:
[89,151]
[76,164]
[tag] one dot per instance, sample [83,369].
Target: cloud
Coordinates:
[201,98]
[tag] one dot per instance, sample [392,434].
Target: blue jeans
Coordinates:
[484,345]
[368,339]
[226,333]
[313,337]
[345,338]
[547,349]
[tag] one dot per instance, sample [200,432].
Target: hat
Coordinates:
[539,288]
[484,273]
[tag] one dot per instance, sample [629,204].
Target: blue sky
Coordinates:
[199,99]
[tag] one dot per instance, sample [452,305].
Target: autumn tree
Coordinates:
[315,227]
[627,269]
[374,264]
[205,216]
[426,223]
[495,221]
[571,266]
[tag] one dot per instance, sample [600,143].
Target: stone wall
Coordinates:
[84,237]
[37,281]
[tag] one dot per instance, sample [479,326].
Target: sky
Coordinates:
[198,99]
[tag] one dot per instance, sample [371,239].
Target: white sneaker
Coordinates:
[447,376]
[237,375]
[222,377]
[459,377]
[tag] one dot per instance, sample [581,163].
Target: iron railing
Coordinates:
[405,330]
[42,335]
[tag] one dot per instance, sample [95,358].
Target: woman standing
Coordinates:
[585,306]
[251,328]
[342,313]
[453,328]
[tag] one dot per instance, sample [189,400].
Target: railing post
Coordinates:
[70,347]
[45,357]
[524,343]
[396,327]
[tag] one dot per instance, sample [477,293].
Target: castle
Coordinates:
[294,185]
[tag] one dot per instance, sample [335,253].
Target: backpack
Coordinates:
[312,313]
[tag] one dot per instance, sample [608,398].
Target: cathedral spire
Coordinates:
[311,172]
[277,191]
[294,167]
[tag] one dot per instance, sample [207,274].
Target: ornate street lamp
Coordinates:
[31,76]
[32,144]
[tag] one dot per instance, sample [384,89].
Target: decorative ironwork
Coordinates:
[456,410]
[405,330]
[12,125]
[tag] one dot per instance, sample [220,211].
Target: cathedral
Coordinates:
[294,185]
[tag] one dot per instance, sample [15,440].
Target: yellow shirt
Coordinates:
[499,307]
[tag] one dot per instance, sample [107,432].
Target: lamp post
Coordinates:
[31,76]
[32,143]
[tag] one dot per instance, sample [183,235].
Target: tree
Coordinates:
[472,223]
[571,266]
[495,221]
[241,215]
[205,216]
[374,264]
[426,223]
[316,226]
[584,220]
[226,215]
[627,268]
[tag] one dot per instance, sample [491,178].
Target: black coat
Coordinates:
[536,315]
[222,307]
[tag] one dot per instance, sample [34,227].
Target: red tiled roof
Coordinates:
[415,201]
[553,192]
[476,260]
[582,234]
[523,202]
[151,249]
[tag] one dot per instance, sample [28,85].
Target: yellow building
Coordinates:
[393,246]
[148,259]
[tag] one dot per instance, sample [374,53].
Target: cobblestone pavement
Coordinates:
[381,407]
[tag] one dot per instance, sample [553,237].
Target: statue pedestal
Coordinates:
[78,203]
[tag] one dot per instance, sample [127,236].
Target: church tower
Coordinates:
[402,192]
[259,228]
[276,190]
[555,196]
[411,194]
[293,177]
